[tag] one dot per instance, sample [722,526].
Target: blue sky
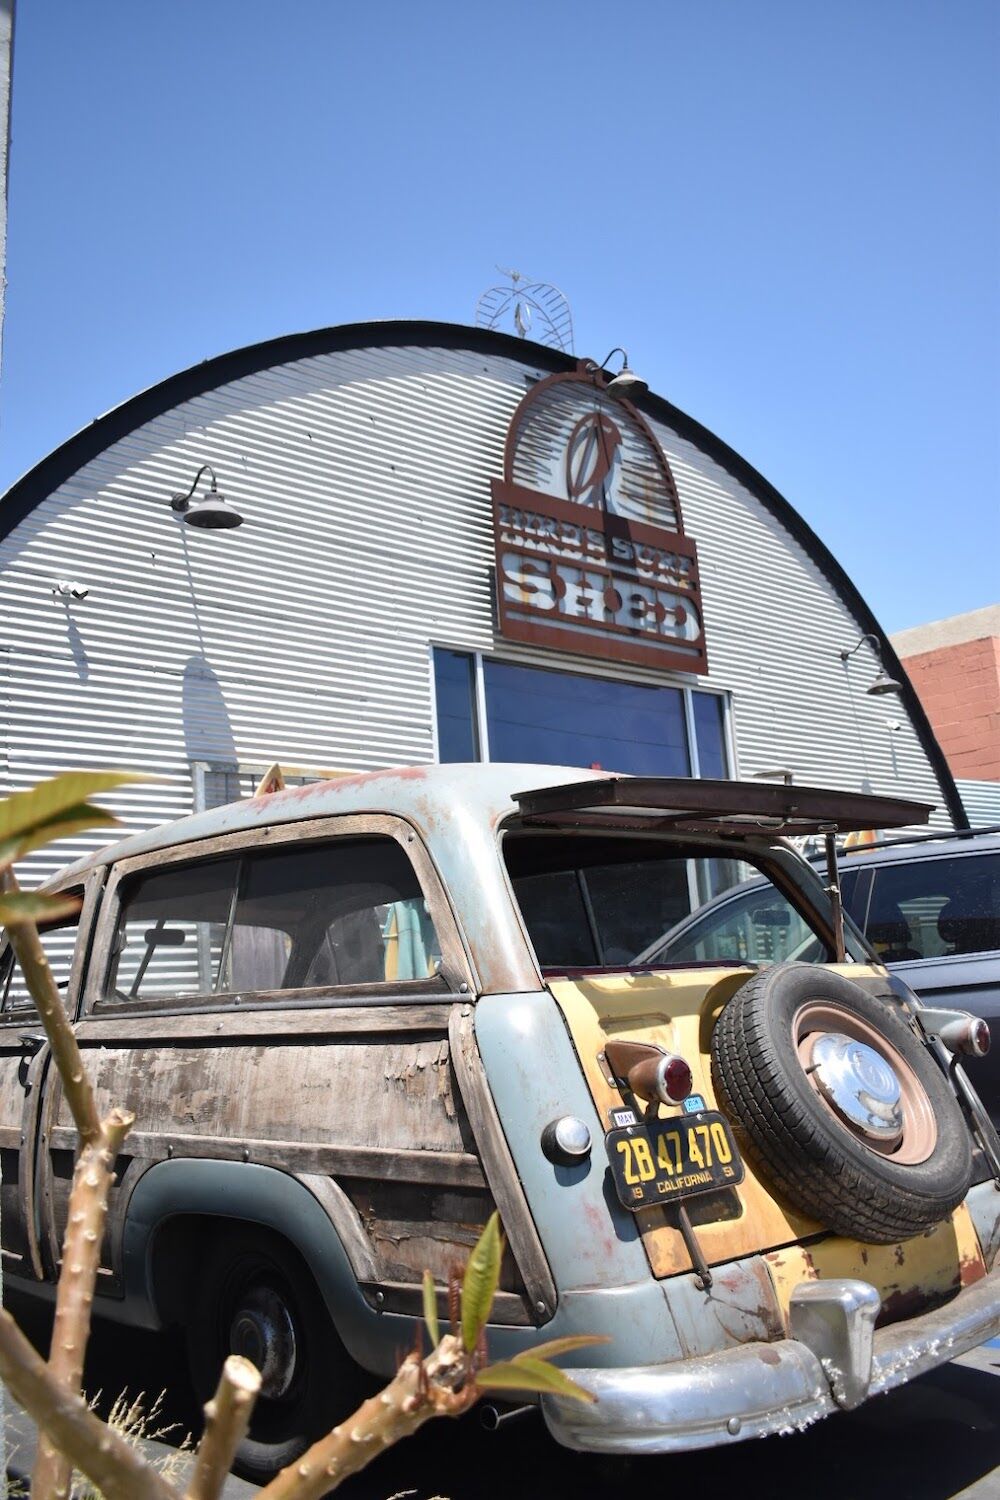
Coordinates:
[787,212]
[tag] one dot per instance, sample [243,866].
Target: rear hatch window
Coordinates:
[613,901]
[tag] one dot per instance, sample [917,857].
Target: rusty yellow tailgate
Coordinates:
[677,1010]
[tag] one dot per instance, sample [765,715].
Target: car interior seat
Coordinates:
[968,924]
[890,934]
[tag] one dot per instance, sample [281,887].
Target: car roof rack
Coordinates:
[923,838]
[697,805]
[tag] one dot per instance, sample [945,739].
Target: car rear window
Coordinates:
[597,901]
[935,908]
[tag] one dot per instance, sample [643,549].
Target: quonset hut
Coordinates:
[455,545]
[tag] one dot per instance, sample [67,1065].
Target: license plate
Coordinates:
[659,1162]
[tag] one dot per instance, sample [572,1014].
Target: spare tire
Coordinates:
[840,1104]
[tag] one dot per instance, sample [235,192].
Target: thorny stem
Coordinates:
[227,1417]
[91,1446]
[88,1206]
[30,955]
[420,1390]
[72,1436]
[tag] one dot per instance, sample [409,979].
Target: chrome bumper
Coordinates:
[835,1361]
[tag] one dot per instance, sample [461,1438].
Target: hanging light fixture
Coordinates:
[626,385]
[883,682]
[211,513]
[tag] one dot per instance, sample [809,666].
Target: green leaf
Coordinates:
[553,1347]
[54,809]
[41,803]
[480,1283]
[78,819]
[527,1374]
[431,1310]
[35,906]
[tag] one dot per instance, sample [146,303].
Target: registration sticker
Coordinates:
[694,1104]
[622,1117]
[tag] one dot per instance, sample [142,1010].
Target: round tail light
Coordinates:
[673,1079]
[969,1036]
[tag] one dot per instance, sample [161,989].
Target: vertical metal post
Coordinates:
[482,725]
[6,67]
[694,764]
[6,70]
[833,891]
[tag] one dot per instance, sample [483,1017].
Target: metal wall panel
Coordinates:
[304,635]
[981,800]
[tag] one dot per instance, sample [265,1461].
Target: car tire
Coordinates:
[256,1297]
[793,1125]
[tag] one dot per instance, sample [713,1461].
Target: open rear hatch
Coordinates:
[675,1008]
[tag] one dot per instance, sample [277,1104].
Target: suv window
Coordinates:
[599,901]
[344,912]
[58,943]
[935,908]
[759,926]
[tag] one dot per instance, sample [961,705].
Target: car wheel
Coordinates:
[840,1104]
[257,1298]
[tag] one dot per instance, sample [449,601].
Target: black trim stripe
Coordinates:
[40,482]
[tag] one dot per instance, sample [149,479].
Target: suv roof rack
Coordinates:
[922,838]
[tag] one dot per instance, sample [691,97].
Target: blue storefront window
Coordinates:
[455,694]
[556,718]
[564,718]
[710,734]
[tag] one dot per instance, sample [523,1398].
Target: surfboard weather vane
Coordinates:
[533,309]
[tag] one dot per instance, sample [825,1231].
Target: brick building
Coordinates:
[955,667]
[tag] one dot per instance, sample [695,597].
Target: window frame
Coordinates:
[89,889]
[767,862]
[454,979]
[480,722]
[938,857]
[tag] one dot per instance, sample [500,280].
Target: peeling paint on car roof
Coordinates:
[425,795]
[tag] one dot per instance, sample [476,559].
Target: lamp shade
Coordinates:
[213,513]
[884,684]
[626,385]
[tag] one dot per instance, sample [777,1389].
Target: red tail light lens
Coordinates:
[673,1079]
[968,1035]
[980,1038]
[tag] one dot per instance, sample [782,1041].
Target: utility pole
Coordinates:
[6,63]
[6,66]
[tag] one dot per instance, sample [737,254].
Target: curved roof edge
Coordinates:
[64,461]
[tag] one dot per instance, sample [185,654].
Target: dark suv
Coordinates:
[930,907]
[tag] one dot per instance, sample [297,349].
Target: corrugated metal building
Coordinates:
[354,619]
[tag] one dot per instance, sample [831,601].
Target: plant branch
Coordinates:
[88,1207]
[227,1417]
[30,955]
[93,1447]
[420,1390]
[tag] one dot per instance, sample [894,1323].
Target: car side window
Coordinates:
[935,908]
[58,943]
[849,893]
[341,912]
[759,926]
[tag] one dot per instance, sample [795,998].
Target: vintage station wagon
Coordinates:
[354,1017]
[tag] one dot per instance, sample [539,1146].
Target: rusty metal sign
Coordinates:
[590,547]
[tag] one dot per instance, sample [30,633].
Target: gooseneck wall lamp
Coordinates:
[883,682]
[212,512]
[624,386]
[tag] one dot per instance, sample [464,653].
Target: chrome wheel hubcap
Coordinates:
[263,1332]
[859,1084]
